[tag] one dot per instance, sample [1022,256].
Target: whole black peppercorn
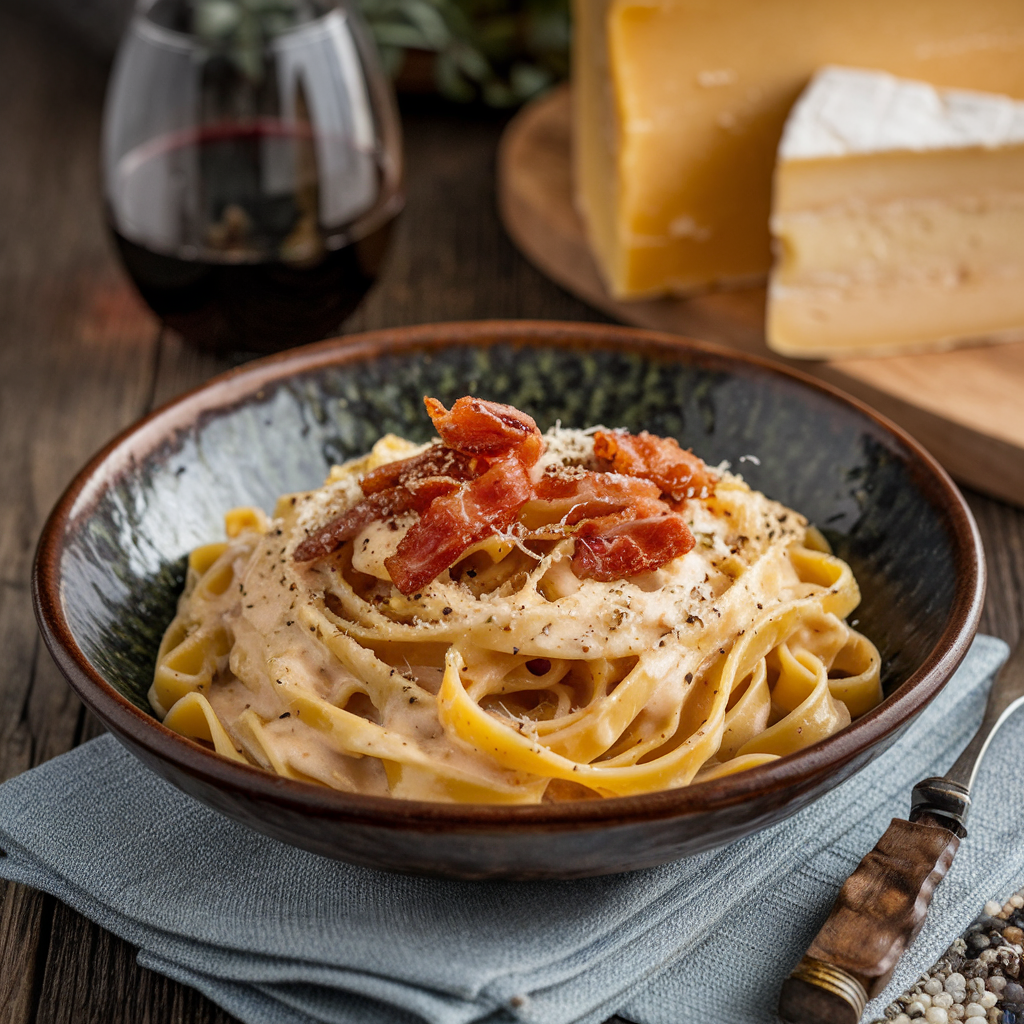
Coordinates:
[1009,961]
[974,969]
[1013,993]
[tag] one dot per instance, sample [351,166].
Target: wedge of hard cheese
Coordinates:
[680,104]
[898,218]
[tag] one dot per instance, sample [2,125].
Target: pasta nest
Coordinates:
[508,679]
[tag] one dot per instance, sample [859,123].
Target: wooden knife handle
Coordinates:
[878,913]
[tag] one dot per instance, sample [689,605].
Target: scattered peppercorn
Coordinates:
[977,979]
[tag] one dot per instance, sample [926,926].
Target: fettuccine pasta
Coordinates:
[506,617]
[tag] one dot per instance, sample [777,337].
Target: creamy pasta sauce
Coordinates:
[520,672]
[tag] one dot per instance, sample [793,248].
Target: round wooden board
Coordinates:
[966,406]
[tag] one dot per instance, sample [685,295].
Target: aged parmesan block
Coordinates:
[898,218]
[680,105]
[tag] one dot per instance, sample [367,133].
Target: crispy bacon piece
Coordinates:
[510,442]
[585,495]
[453,522]
[617,546]
[416,497]
[477,483]
[624,526]
[476,427]
[678,473]
[437,460]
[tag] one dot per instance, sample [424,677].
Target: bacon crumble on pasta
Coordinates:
[508,617]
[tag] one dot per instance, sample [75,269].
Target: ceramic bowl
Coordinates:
[111,562]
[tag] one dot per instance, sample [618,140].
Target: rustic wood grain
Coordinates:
[25,918]
[1002,532]
[92,978]
[80,358]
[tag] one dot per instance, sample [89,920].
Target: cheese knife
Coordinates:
[883,904]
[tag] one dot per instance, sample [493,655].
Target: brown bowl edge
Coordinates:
[796,771]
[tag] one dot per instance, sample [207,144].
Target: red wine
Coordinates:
[222,231]
[258,307]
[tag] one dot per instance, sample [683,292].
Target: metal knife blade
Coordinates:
[947,797]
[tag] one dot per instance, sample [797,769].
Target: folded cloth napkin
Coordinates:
[279,936]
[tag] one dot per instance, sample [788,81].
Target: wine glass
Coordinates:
[252,166]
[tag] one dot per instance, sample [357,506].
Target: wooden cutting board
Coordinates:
[966,406]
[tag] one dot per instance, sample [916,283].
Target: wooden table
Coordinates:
[80,358]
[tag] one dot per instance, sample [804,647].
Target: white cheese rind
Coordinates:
[851,110]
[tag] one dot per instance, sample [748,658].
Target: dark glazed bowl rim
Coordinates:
[792,773]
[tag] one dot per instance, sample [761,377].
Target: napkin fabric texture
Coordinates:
[276,935]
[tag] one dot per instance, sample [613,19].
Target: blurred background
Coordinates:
[460,69]
[500,52]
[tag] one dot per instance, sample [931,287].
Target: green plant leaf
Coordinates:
[215,19]
[450,80]
[405,37]
[430,21]
[527,80]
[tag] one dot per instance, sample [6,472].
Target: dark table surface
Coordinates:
[81,358]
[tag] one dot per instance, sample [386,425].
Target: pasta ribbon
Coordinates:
[192,716]
[519,673]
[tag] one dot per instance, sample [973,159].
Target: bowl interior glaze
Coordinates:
[111,562]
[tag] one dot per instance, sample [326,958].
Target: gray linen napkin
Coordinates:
[279,936]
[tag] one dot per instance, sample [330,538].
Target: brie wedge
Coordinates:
[897,218]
